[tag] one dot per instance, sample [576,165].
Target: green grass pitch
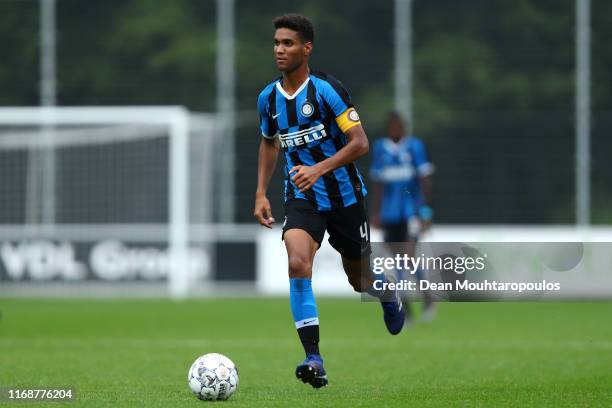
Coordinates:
[136,353]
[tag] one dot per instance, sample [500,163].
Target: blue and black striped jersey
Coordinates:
[310,125]
[399,167]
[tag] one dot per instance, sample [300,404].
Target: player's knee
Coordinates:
[299,267]
[355,283]
[354,273]
[354,279]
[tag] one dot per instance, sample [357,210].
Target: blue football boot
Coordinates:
[311,371]
[394,313]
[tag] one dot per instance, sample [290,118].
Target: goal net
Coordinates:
[105,194]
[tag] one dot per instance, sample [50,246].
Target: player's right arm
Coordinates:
[268,153]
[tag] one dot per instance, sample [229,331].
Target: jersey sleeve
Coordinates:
[266,124]
[422,163]
[338,99]
[377,162]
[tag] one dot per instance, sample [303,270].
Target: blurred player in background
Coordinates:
[310,116]
[402,175]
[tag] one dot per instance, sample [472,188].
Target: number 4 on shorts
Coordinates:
[363,230]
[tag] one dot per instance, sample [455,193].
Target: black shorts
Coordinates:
[348,227]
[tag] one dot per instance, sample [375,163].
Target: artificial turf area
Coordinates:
[136,353]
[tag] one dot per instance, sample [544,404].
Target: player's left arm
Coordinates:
[358,146]
[338,100]
[426,212]
[425,170]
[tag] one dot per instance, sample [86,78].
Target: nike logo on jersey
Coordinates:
[275,116]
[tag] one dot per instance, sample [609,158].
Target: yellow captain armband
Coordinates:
[348,119]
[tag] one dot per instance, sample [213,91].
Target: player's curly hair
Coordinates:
[298,23]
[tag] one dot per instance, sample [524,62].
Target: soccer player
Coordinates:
[402,175]
[309,115]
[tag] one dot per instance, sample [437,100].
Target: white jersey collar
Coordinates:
[286,95]
[393,147]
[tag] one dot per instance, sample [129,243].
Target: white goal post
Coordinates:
[176,119]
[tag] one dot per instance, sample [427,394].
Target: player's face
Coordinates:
[395,129]
[289,51]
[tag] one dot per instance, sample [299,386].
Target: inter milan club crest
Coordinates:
[353,115]
[307,109]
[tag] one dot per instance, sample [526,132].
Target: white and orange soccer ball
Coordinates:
[213,377]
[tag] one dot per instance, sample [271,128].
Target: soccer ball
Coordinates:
[213,377]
